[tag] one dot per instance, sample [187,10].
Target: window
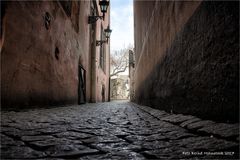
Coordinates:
[102,51]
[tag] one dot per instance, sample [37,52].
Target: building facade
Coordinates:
[119,87]
[187,57]
[49,54]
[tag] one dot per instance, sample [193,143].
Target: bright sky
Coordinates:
[121,23]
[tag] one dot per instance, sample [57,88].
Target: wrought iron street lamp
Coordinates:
[103,6]
[108,32]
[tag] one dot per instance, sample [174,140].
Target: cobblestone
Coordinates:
[114,130]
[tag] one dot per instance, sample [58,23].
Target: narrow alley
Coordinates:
[119,79]
[113,130]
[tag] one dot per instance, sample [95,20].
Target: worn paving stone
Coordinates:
[174,135]
[36,138]
[206,143]
[51,159]
[156,113]
[143,132]
[185,123]
[199,124]
[70,151]
[11,131]
[134,138]
[153,145]
[7,141]
[96,132]
[52,130]
[20,152]
[115,130]
[120,155]
[119,132]
[223,130]
[126,154]
[110,147]
[102,139]
[172,152]
[73,135]
[175,119]
[45,144]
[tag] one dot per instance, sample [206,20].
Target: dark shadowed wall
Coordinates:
[187,57]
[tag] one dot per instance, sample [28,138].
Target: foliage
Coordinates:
[119,60]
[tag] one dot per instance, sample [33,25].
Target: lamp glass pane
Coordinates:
[103,5]
[108,32]
[103,8]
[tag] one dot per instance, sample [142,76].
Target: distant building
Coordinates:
[119,87]
[49,54]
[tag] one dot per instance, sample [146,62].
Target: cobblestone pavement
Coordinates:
[114,130]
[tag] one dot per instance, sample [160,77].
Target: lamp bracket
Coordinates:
[93,19]
[100,42]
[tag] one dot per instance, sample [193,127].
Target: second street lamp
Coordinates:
[108,32]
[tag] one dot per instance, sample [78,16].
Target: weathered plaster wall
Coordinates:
[155,26]
[84,40]
[188,57]
[102,80]
[40,65]
[102,75]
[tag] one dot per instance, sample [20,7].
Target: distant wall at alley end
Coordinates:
[187,57]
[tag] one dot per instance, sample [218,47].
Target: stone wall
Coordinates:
[188,57]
